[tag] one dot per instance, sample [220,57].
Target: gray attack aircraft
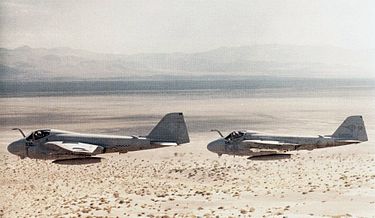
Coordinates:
[262,146]
[63,145]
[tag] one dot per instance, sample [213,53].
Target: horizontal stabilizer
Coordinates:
[79,147]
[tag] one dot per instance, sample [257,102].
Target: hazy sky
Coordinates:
[185,26]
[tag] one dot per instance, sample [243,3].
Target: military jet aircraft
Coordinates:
[262,146]
[63,145]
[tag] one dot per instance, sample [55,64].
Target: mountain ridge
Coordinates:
[256,60]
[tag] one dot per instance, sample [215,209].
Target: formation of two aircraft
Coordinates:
[171,130]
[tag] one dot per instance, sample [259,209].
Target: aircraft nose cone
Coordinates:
[17,148]
[210,146]
[12,147]
[215,146]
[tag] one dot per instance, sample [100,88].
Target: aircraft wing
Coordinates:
[79,147]
[268,144]
[165,143]
[348,141]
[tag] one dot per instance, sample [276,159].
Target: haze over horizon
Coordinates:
[276,45]
[26,63]
[137,38]
[131,27]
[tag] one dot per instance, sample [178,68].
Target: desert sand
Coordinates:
[188,180]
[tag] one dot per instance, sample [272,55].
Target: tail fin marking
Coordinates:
[352,128]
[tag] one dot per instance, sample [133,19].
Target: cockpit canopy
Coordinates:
[38,134]
[235,135]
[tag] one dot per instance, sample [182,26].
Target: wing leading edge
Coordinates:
[268,144]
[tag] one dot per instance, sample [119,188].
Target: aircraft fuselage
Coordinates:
[46,149]
[243,146]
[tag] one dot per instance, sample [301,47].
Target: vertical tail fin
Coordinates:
[171,128]
[353,128]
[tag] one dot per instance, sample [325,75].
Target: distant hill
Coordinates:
[25,63]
